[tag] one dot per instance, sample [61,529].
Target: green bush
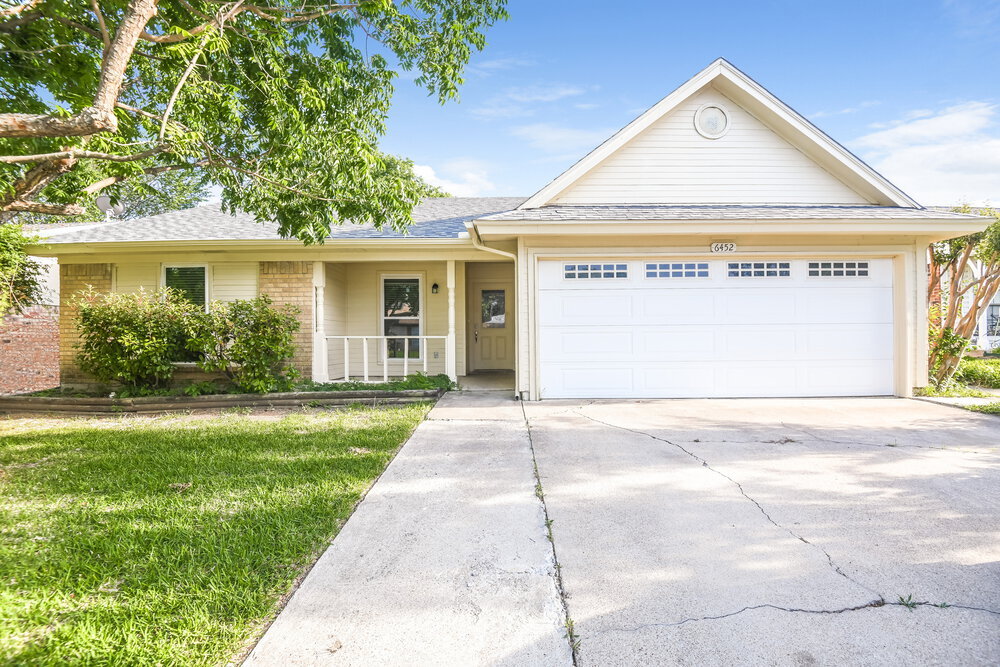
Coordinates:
[133,338]
[979,372]
[247,340]
[20,276]
[415,381]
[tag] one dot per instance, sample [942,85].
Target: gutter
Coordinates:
[477,241]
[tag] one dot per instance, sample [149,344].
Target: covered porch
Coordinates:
[386,320]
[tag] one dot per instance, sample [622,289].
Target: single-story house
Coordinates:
[718,245]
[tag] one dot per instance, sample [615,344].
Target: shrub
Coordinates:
[979,372]
[247,340]
[132,338]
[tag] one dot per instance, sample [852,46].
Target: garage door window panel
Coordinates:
[677,270]
[838,269]
[595,271]
[758,269]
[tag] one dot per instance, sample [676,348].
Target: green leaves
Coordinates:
[20,276]
[285,117]
[249,341]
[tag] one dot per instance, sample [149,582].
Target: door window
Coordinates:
[494,303]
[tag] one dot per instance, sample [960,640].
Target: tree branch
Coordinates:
[81,154]
[101,116]
[97,186]
[19,9]
[105,37]
[21,206]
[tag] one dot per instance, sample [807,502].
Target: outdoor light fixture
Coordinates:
[434,288]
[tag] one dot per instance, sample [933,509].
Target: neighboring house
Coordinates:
[29,340]
[719,245]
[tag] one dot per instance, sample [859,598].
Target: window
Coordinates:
[759,269]
[191,281]
[677,270]
[401,315]
[494,302]
[993,320]
[838,269]
[571,271]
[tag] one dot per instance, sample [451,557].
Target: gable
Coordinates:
[660,158]
[671,163]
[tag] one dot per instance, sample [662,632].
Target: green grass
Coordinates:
[988,408]
[954,390]
[979,372]
[171,540]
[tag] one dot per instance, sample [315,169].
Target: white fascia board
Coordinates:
[934,229]
[285,245]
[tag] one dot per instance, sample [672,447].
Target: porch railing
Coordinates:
[380,365]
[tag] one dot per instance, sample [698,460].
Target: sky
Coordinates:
[913,88]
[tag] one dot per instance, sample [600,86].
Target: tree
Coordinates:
[280,104]
[966,273]
[139,197]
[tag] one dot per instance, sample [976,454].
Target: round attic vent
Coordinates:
[711,121]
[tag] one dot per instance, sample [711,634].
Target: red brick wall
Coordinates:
[29,350]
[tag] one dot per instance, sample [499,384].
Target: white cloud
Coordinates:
[463,178]
[586,106]
[555,139]
[490,67]
[946,157]
[517,102]
[847,110]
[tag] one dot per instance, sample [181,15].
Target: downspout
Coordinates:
[478,243]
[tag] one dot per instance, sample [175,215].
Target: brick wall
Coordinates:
[72,279]
[291,283]
[29,350]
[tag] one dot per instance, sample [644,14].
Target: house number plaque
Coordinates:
[723,246]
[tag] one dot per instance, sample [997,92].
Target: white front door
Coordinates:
[668,327]
[491,325]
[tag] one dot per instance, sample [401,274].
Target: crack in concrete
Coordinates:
[854,443]
[874,604]
[833,565]
[571,637]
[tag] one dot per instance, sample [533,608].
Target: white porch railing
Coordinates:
[380,365]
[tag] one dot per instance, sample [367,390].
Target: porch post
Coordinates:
[450,343]
[320,365]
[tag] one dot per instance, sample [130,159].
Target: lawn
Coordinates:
[171,540]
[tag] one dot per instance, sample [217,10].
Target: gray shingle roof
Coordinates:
[655,212]
[434,218]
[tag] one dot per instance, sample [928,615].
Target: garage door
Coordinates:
[661,327]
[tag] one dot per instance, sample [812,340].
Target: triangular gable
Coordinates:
[770,155]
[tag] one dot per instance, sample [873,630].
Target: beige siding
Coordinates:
[671,163]
[233,280]
[129,278]
[358,287]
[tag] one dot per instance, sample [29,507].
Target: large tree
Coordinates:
[964,279]
[280,104]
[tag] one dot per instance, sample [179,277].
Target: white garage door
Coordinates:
[613,328]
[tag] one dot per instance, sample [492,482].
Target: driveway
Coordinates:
[685,532]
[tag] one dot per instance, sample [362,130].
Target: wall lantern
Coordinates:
[434,288]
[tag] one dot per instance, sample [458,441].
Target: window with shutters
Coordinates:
[191,281]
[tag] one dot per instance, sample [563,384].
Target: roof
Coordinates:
[764,106]
[443,217]
[652,212]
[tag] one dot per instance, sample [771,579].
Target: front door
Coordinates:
[491,323]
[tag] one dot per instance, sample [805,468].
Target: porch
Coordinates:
[379,321]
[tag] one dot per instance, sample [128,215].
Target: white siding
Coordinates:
[233,280]
[671,163]
[132,276]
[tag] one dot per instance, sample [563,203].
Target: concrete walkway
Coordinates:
[445,562]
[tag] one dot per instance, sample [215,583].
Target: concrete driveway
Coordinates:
[772,531]
[685,532]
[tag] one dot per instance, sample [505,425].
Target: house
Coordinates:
[718,245]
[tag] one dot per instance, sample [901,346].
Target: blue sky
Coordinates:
[912,87]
